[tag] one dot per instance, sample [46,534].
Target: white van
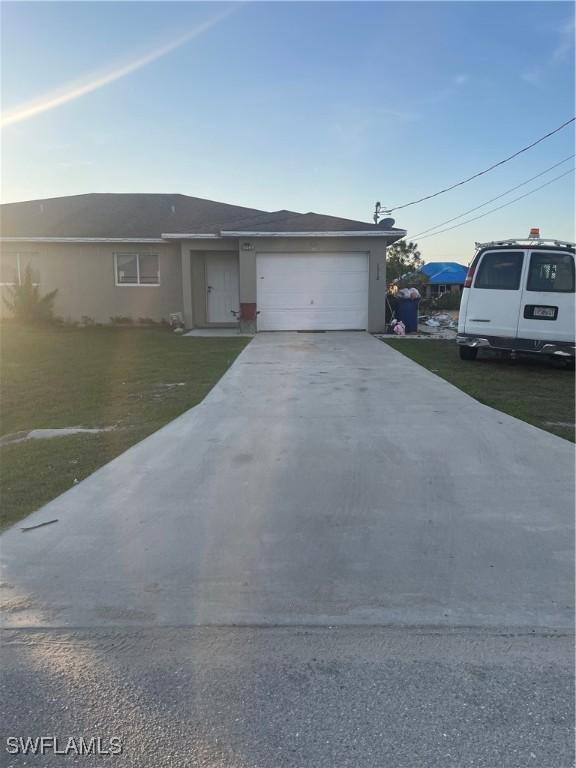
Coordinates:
[519,296]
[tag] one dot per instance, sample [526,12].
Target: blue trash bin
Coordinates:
[407,311]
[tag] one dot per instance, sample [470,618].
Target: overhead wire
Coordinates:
[497,197]
[390,209]
[499,207]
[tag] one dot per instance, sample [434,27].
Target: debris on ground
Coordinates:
[440,325]
[39,525]
[41,434]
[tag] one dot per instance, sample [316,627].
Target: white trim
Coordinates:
[355,233]
[189,236]
[81,240]
[195,236]
[137,284]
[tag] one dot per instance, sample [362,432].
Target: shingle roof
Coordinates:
[152,215]
[287,221]
[117,215]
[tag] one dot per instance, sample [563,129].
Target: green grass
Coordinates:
[535,390]
[92,377]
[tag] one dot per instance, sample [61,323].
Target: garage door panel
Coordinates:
[337,283]
[287,299]
[307,320]
[313,291]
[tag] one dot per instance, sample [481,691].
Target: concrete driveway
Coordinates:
[325,480]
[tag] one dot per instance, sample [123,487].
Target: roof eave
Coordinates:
[398,233]
[42,239]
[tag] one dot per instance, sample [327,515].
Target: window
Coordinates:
[137,268]
[13,266]
[551,272]
[500,270]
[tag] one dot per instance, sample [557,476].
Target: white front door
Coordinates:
[222,287]
[312,291]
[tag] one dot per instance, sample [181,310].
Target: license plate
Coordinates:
[543,312]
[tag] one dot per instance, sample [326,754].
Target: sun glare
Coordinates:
[76,89]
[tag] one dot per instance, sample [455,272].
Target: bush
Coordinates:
[25,302]
[446,301]
[121,320]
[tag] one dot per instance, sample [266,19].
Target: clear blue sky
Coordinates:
[307,106]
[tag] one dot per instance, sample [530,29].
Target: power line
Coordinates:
[499,207]
[492,199]
[480,173]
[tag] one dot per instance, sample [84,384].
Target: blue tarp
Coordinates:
[444,272]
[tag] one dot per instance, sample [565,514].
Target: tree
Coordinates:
[402,258]
[26,304]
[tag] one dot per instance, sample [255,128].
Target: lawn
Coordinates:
[135,380]
[534,390]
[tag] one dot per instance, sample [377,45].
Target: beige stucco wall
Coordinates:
[84,275]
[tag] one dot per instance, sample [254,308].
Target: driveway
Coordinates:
[325,480]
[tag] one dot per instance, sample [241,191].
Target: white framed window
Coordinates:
[13,266]
[137,269]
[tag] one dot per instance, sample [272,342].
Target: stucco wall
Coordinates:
[84,275]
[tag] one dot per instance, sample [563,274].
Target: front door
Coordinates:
[222,287]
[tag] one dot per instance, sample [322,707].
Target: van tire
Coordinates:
[468,353]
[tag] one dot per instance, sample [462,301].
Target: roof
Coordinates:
[110,215]
[444,272]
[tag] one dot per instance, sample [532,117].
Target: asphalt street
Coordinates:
[337,559]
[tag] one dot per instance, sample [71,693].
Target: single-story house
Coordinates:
[155,256]
[443,277]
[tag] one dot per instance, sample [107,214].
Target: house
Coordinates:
[215,265]
[443,277]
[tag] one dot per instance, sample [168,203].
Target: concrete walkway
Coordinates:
[326,479]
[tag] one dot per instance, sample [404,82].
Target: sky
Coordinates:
[311,106]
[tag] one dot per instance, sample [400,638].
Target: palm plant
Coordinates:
[25,302]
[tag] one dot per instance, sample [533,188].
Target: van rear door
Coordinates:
[547,306]
[494,297]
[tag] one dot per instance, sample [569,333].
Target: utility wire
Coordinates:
[492,199]
[499,207]
[481,173]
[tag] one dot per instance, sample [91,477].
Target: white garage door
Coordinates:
[312,291]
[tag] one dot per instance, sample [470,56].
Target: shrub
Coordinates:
[121,320]
[25,302]
[147,321]
[447,301]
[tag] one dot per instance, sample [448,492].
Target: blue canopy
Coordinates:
[444,272]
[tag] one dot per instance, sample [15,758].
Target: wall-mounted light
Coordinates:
[247,247]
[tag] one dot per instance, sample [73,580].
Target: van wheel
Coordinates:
[468,353]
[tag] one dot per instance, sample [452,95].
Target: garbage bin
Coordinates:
[407,311]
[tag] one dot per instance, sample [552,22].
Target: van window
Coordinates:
[551,272]
[500,270]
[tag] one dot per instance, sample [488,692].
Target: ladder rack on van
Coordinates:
[525,241]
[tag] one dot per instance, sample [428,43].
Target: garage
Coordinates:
[312,291]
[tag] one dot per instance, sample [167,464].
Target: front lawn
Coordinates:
[135,380]
[531,389]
